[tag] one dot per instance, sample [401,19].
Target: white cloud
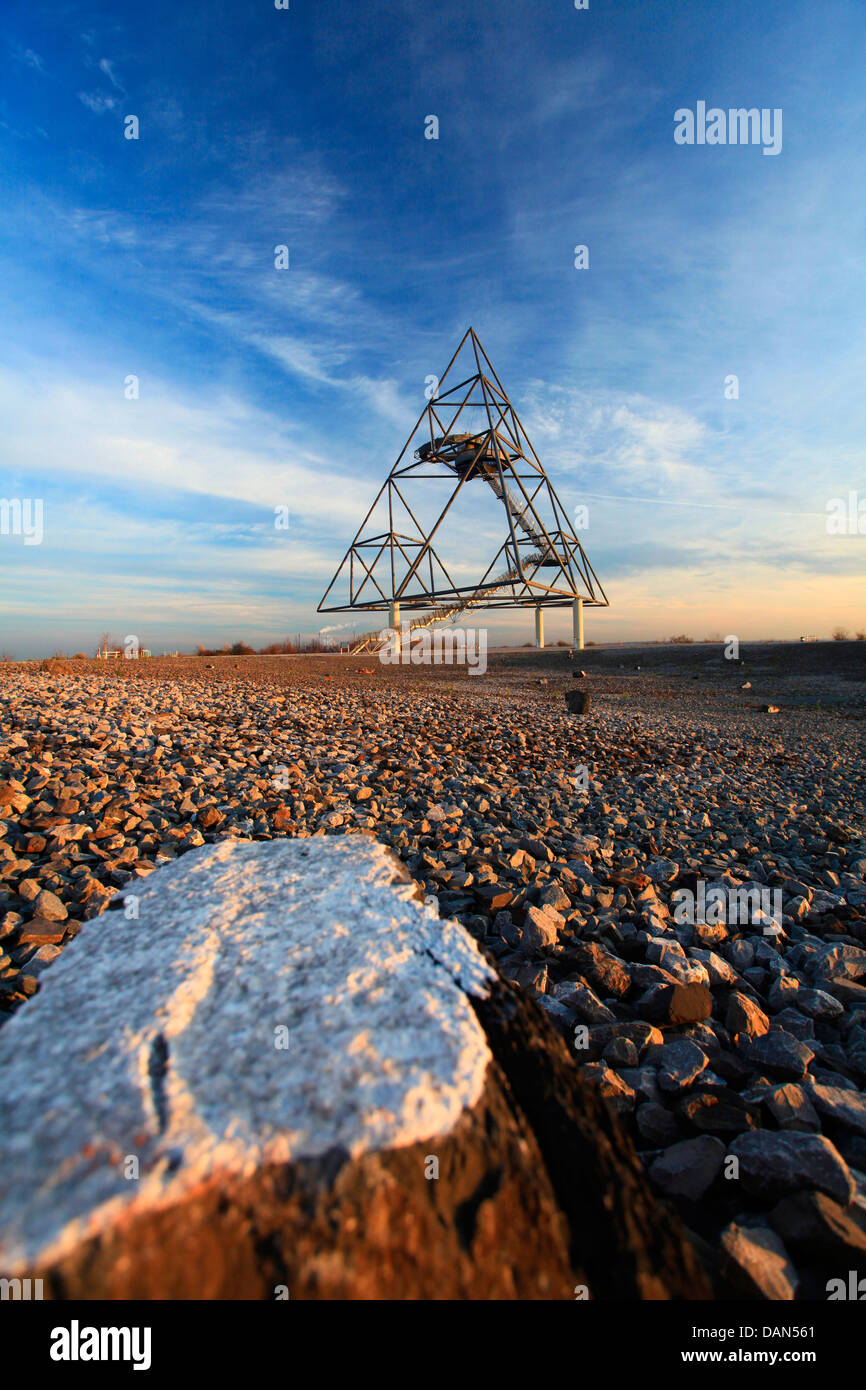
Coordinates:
[217,446]
[30,59]
[628,439]
[98,102]
[106,66]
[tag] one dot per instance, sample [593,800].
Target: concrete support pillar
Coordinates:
[577,616]
[539,626]
[394,623]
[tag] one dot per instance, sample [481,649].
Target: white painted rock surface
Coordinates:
[166,1030]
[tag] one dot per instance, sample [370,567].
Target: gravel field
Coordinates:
[571,846]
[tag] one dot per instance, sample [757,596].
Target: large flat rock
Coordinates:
[252,1085]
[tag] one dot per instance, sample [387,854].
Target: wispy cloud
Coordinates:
[218,446]
[98,102]
[627,438]
[28,57]
[106,66]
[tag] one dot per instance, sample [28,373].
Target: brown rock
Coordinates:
[9,923]
[603,971]
[812,1224]
[539,930]
[616,1094]
[40,932]
[791,1108]
[537,851]
[49,906]
[744,1016]
[533,975]
[717,1110]
[13,796]
[493,896]
[634,882]
[756,1263]
[675,1004]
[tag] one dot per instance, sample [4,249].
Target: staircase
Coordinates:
[517,512]
[372,641]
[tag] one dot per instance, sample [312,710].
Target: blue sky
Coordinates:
[260,387]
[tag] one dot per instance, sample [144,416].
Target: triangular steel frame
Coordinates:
[500,454]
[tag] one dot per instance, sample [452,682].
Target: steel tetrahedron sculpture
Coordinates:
[468,438]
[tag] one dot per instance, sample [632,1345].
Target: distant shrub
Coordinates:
[841,634]
[80,656]
[285,648]
[681,641]
[861,636]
